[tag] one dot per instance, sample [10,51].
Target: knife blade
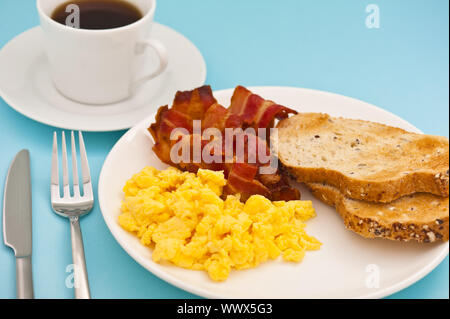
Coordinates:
[17,229]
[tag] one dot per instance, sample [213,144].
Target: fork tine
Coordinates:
[76,187]
[84,161]
[55,173]
[65,167]
[63,202]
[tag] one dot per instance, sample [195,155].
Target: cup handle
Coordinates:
[161,51]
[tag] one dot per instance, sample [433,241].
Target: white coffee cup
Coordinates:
[99,66]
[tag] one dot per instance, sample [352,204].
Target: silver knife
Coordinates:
[17,221]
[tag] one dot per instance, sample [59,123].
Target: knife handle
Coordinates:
[24,278]
[80,274]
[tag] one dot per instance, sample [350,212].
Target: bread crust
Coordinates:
[431,230]
[412,175]
[376,191]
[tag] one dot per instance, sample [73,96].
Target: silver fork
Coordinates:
[73,207]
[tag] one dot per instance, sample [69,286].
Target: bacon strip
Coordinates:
[187,106]
[215,117]
[241,180]
[254,110]
[194,103]
[246,110]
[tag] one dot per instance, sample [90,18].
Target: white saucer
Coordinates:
[25,84]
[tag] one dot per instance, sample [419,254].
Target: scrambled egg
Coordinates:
[183,218]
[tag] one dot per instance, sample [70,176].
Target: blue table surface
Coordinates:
[402,67]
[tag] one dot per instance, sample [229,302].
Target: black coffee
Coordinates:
[96,14]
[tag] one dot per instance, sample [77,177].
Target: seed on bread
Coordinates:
[431,236]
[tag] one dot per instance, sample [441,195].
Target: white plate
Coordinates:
[26,85]
[344,266]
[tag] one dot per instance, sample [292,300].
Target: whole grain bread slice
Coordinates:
[422,217]
[364,160]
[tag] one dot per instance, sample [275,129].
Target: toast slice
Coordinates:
[422,217]
[364,160]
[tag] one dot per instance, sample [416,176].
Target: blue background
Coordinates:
[402,67]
